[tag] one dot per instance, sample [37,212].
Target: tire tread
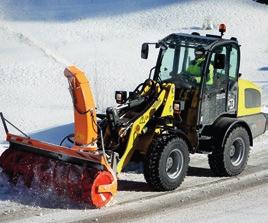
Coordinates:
[217,160]
[152,168]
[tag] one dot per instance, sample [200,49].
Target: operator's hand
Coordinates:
[195,80]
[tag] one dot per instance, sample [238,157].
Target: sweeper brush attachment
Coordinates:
[81,172]
[80,183]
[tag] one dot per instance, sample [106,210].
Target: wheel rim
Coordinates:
[174,163]
[237,151]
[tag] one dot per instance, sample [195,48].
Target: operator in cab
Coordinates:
[196,66]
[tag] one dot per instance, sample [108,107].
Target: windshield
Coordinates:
[181,65]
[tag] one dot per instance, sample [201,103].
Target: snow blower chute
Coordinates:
[82,171]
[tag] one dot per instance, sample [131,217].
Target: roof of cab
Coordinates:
[193,39]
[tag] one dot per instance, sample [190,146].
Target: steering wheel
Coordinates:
[185,80]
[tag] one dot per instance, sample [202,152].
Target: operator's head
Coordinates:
[199,52]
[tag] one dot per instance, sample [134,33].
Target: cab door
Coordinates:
[233,63]
[220,96]
[214,96]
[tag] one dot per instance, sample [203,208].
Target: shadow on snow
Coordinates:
[263,69]
[50,10]
[53,135]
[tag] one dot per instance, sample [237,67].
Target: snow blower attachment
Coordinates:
[81,172]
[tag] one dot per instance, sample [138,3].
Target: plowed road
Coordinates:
[136,202]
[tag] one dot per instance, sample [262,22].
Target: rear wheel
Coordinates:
[166,163]
[231,159]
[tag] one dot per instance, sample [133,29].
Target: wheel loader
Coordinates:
[168,116]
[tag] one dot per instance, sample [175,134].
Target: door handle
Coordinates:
[222,90]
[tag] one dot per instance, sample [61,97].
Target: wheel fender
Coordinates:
[224,125]
[186,139]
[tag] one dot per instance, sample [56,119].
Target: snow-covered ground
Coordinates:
[103,38]
[243,206]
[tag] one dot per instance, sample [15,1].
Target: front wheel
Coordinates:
[166,163]
[231,159]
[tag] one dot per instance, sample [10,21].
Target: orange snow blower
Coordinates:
[81,171]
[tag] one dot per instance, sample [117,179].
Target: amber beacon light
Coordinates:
[222,29]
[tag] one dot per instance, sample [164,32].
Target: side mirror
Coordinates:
[144,50]
[219,62]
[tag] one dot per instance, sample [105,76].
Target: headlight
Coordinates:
[120,97]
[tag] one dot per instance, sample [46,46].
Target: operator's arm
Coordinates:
[192,69]
[210,76]
[195,69]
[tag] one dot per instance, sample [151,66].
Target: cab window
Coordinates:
[167,64]
[233,63]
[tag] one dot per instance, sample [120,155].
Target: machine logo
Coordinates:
[231,104]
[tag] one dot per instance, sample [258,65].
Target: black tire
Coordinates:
[166,163]
[231,159]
